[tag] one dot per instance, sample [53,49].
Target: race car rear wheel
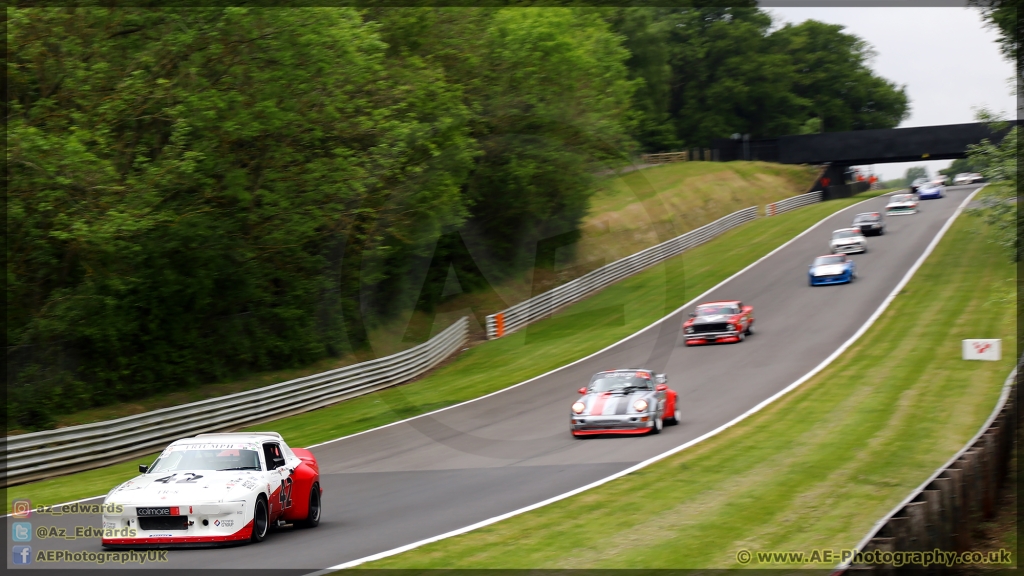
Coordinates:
[312,519]
[260,519]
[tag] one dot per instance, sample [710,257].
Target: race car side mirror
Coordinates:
[693,314]
[143,468]
[660,379]
[661,387]
[583,390]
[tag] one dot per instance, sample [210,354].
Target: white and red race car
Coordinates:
[214,489]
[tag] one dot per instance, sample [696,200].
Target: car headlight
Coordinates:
[689,329]
[579,407]
[640,405]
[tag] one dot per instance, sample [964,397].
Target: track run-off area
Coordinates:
[441,472]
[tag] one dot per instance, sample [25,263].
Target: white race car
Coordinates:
[848,241]
[967,178]
[901,204]
[214,489]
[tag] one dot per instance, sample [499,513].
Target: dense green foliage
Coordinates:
[195,194]
[1000,164]
[714,71]
[961,166]
[915,172]
[1005,16]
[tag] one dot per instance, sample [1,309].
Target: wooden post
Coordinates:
[961,511]
[933,527]
[947,527]
[916,520]
[988,503]
[899,527]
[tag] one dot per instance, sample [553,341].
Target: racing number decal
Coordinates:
[165,479]
[189,478]
[286,492]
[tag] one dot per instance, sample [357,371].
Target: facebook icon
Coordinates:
[22,554]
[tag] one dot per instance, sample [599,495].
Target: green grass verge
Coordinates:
[815,469]
[636,302]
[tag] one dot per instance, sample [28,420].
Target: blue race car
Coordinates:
[930,191]
[831,269]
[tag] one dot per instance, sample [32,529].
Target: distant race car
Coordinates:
[917,184]
[848,241]
[831,269]
[722,321]
[962,178]
[624,402]
[941,180]
[214,489]
[901,204]
[931,191]
[967,178]
[869,223]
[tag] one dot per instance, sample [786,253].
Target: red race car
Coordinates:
[722,321]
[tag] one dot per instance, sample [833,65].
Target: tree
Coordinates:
[1001,166]
[729,72]
[183,184]
[915,172]
[1005,16]
[832,75]
[962,165]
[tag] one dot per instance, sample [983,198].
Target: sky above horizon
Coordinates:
[947,58]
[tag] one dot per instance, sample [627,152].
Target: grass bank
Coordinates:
[572,334]
[627,214]
[815,469]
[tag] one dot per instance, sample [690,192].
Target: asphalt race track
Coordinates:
[396,485]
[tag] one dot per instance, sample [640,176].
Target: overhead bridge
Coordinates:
[840,150]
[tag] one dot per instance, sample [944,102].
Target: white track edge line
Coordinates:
[637,333]
[824,363]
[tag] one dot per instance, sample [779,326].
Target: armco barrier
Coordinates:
[788,204]
[942,511]
[540,306]
[42,454]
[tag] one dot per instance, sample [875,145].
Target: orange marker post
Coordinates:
[499,324]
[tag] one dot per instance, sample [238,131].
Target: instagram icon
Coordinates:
[21,508]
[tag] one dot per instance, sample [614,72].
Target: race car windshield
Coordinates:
[612,384]
[902,198]
[826,260]
[717,310]
[844,234]
[212,459]
[866,218]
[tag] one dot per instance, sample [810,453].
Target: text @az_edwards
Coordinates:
[83,532]
[877,557]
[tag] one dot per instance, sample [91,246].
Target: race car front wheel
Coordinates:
[658,425]
[313,516]
[675,419]
[260,520]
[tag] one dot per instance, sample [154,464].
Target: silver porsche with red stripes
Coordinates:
[631,401]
